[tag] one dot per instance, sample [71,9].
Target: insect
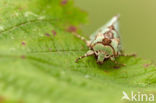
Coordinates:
[105,43]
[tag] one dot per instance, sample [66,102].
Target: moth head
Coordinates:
[106,41]
[103,55]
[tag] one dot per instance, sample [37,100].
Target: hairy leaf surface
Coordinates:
[37,58]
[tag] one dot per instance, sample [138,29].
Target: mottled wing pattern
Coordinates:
[113,22]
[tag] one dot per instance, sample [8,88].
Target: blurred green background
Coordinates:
[137,22]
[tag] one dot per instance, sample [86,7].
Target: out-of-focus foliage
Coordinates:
[37,58]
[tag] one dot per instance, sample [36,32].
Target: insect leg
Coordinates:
[128,55]
[89,53]
[113,60]
[119,63]
[82,38]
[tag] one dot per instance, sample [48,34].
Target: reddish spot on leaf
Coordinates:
[106,71]
[72,29]
[50,49]
[146,65]
[2,99]
[63,2]
[23,43]
[23,56]
[116,67]
[48,35]
[54,32]
[20,8]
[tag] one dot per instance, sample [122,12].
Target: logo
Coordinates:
[140,97]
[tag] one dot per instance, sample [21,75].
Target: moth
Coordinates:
[105,43]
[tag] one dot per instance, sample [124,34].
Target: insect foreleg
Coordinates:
[89,53]
[82,38]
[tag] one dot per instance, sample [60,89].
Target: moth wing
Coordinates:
[104,28]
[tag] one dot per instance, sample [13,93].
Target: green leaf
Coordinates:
[37,66]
